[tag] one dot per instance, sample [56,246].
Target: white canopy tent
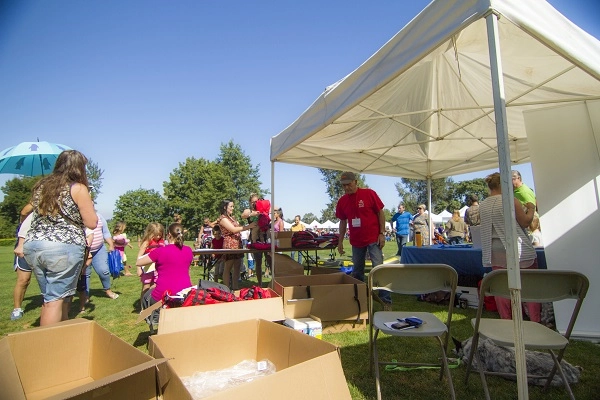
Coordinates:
[315,225]
[435,218]
[445,215]
[446,96]
[329,225]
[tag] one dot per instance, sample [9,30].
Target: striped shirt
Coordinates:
[493,236]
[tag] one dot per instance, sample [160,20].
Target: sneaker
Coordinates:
[17,313]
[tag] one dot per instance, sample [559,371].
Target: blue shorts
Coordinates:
[21,264]
[56,266]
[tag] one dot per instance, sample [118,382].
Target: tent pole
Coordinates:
[512,256]
[272,212]
[429,208]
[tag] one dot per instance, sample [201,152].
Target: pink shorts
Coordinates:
[147,278]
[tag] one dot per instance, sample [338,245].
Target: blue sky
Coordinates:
[139,86]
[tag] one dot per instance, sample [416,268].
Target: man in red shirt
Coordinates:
[360,211]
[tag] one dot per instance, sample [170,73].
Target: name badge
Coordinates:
[356,222]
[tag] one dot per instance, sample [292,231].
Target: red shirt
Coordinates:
[364,204]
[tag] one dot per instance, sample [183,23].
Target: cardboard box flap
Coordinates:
[107,380]
[185,318]
[28,346]
[9,374]
[147,311]
[284,265]
[335,296]
[298,308]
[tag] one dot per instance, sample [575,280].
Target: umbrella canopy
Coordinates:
[30,158]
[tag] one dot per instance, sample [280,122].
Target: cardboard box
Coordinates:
[185,318]
[307,368]
[74,359]
[336,297]
[284,239]
[286,266]
[469,297]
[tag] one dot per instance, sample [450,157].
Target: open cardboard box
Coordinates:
[74,359]
[336,296]
[186,318]
[307,368]
[284,239]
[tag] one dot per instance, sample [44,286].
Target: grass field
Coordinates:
[119,316]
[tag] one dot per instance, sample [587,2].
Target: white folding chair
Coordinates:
[538,286]
[412,279]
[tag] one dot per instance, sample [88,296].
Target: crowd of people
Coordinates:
[62,239]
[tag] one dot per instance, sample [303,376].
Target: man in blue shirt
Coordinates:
[402,219]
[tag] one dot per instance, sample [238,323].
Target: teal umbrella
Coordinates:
[30,158]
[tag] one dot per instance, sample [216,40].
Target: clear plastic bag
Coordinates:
[204,384]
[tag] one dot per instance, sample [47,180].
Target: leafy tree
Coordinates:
[137,208]
[197,187]
[242,175]
[94,175]
[17,193]
[309,217]
[413,192]
[462,190]
[445,193]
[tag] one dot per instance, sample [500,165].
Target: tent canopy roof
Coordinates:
[422,106]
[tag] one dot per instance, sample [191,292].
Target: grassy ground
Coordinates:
[119,316]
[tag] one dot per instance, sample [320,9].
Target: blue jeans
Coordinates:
[100,265]
[293,256]
[358,269]
[56,267]
[455,240]
[401,241]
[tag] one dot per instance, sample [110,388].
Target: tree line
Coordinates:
[197,186]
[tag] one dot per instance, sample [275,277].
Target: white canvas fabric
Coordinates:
[422,107]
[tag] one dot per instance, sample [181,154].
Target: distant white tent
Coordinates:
[315,225]
[287,225]
[445,215]
[463,211]
[329,225]
[436,218]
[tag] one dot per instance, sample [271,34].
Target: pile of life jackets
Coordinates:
[304,239]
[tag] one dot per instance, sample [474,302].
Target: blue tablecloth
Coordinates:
[466,260]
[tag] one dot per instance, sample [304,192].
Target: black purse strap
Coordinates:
[357,302]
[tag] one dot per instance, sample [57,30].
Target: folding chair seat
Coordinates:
[411,279]
[539,286]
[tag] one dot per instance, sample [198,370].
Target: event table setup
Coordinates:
[464,258]
[310,255]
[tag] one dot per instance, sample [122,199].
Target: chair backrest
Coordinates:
[413,278]
[538,285]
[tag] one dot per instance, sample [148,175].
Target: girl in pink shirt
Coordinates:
[173,266]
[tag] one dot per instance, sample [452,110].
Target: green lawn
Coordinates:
[119,316]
